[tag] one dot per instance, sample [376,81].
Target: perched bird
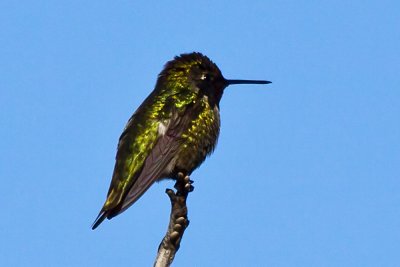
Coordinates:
[172,131]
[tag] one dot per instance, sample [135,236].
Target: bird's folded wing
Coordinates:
[155,168]
[159,162]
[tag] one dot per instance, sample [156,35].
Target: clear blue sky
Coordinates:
[306,171]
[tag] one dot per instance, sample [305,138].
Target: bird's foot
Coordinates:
[185,181]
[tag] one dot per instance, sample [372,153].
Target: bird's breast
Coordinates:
[199,139]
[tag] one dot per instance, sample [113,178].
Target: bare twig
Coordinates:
[178,221]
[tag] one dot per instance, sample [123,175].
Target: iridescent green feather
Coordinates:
[173,130]
[142,131]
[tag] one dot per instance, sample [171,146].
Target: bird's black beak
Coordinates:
[230,82]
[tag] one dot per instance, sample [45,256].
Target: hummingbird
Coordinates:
[172,131]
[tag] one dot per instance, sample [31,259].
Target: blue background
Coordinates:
[306,172]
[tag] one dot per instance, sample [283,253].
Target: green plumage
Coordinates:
[172,131]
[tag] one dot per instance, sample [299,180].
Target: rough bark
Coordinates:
[178,221]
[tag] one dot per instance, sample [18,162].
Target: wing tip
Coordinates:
[100,218]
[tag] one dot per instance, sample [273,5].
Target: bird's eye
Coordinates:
[205,77]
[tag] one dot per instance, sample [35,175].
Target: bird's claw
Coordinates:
[188,187]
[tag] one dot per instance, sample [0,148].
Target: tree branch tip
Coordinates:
[178,220]
[168,189]
[171,194]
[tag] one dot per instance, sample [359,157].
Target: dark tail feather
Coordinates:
[100,218]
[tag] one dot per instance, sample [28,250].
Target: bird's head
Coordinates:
[198,73]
